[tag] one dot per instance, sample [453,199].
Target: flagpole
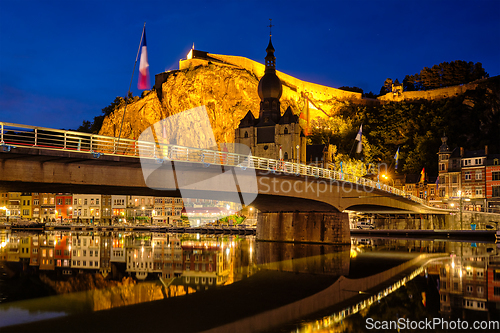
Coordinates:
[129,87]
[354,142]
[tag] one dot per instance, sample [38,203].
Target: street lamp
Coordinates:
[460,207]
[298,155]
[6,212]
[387,178]
[461,199]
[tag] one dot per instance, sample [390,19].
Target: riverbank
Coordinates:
[229,230]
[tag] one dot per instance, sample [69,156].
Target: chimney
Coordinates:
[461,151]
[486,150]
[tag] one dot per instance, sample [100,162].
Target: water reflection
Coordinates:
[463,284]
[304,258]
[92,271]
[326,287]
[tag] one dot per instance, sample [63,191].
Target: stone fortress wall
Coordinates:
[434,94]
[294,85]
[294,88]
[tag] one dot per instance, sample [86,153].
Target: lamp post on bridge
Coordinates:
[387,178]
[461,207]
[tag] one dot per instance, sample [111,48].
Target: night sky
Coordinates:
[61,62]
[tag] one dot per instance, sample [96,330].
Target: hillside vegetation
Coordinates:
[470,120]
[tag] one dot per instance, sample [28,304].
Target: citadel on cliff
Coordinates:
[231,87]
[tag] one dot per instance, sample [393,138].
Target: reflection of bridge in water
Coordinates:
[348,296]
[65,161]
[267,283]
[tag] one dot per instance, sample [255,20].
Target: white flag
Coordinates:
[358,138]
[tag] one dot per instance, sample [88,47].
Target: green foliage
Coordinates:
[445,75]
[95,126]
[387,87]
[370,95]
[235,218]
[469,120]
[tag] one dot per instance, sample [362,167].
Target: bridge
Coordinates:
[37,159]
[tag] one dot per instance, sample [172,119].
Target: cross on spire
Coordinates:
[270,26]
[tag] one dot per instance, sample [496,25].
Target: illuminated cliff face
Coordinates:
[228,92]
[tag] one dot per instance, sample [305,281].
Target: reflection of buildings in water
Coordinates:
[213,262]
[465,281]
[85,252]
[159,254]
[209,261]
[139,256]
[304,258]
[493,277]
[244,264]
[206,264]
[117,249]
[62,253]
[105,257]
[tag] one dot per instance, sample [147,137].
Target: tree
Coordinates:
[387,87]
[410,83]
[445,75]
[85,127]
[370,95]
[95,126]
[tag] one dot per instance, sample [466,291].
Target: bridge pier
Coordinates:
[305,227]
[482,221]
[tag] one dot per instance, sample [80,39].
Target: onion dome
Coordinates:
[444,147]
[270,85]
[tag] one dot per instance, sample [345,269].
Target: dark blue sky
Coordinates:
[61,62]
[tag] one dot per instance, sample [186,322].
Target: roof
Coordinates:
[474,153]
[248,120]
[288,117]
[412,178]
[490,160]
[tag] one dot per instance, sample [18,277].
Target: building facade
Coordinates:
[493,183]
[272,135]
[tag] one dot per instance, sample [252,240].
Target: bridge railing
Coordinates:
[16,135]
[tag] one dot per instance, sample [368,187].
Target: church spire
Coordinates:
[270,87]
[270,58]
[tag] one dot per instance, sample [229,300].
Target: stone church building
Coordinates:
[272,135]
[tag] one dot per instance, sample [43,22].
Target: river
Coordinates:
[129,281]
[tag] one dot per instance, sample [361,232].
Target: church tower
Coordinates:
[272,135]
[270,90]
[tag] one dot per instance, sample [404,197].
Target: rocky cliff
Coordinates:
[228,93]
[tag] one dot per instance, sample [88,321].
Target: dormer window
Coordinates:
[246,134]
[495,161]
[285,131]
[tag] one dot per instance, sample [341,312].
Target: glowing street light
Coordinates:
[387,178]
[461,199]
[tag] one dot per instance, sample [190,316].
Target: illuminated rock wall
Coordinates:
[227,86]
[227,89]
